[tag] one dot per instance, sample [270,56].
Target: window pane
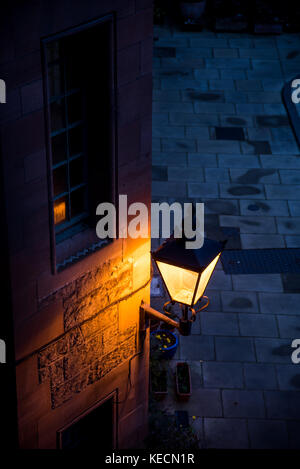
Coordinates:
[56,86]
[78,201]
[73,73]
[60,184]
[76,172]
[57,110]
[60,210]
[74,108]
[75,140]
[59,148]
[52,51]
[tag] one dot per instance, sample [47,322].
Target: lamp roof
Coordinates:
[173,252]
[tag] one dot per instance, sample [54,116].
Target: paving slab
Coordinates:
[258,325]
[289,326]
[288,377]
[260,376]
[222,375]
[263,208]
[245,386]
[239,302]
[232,349]
[283,405]
[258,241]
[197,348]
[219,324]
[257,282]
[243,404]
[267,434]
[226,433]
[279,303]
[273,350]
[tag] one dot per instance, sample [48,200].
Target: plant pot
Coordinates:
[167,343]
[183,381]
[159,384]
[192,12]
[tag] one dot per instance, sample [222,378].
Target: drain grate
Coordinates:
[261,261]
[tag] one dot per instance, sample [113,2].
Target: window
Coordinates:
[95,429]
[69,172]
[79,84]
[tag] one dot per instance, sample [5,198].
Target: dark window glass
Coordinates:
[59,148]
[77,201]
[76,140]
[60,180]
[58,117]
[80,110]
[56,80]
[74,102]
[76,172]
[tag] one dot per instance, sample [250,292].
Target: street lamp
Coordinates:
[185,273]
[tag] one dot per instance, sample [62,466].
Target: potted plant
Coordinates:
[164,433]
[158,380]
[183,381]
[232,15]
[267,18]
[164,343]
[192,11]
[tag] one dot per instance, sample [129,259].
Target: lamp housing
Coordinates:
[186,272]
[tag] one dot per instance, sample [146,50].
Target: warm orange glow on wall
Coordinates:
[59,212]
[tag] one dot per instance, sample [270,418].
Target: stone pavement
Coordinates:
[246,390]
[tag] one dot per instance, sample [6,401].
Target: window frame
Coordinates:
[91,247]
[113,396]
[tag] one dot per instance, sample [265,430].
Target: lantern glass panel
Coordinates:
[204,279]
[181,283]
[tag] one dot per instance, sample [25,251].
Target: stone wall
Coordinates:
[92,344]
[75,332]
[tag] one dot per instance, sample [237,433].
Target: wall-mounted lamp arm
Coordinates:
[146,309]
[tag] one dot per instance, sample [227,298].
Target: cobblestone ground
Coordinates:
[246,390]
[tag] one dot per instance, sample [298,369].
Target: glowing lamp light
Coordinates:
[59,212]
[186,272]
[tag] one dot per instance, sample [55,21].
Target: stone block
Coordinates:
[249,224]
[260,376]
[235,349]
[289,326]
[226,433]
[222,375]
[257,282]
[243,404]
[239,302]
[208,190]
[258,325]
[238,161]
[273,350]
[288,377]
[219,324]
[263,207]
[197,347]
[283,405]
[279,303]
[261,241]
[267,434]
